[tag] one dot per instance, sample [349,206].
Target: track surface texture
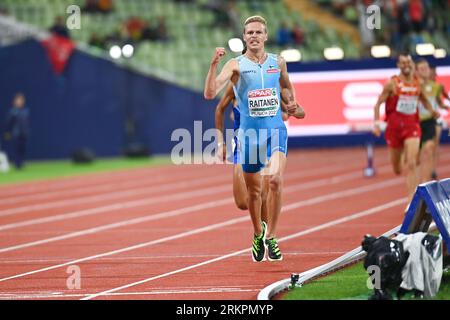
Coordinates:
[173,232]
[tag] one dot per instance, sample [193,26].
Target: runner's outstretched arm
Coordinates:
[286,97]
[387,89]
[220,110]
[428,105]
[292,106]
[214,84]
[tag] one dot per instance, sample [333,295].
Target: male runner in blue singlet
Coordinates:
[258,78]
[239,187]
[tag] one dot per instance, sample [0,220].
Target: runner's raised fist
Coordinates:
[220,52]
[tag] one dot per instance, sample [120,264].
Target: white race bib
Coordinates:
[407,104]
[263,102]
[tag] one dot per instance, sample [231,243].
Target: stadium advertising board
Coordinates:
[339,102]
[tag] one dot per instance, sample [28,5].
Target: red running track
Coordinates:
[173,232]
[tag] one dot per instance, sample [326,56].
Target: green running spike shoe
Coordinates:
[273,251]
[258,248]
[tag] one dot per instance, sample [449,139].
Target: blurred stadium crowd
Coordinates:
[405,23]
[162,31]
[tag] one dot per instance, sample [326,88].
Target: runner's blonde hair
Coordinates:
[256,19]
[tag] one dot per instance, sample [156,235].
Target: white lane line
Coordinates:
[104,178]
[79,187]
[158,199]
[92,178]
[138,246]
[157,257]
[56,295]
[130,204]
[143,191]
[351,217]
[118,206]
[112,186]
[172,213]
[109,196]
[310,201]
[161,215]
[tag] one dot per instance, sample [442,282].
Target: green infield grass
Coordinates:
[43,170]
[350,283]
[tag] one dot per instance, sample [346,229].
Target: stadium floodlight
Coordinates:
[128,51]
[333,53]
[236,45]
[381,51]
[115,52]
[425,49]
[440,53]
[291,55]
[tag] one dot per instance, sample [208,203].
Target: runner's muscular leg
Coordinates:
[239,188]
[264,194]
[426,163]
[276,168]
[240,192]
[395,155]
[411,150]
[254,188]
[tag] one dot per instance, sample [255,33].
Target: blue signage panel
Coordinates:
[431,201]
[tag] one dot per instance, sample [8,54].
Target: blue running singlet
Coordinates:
[261,130]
